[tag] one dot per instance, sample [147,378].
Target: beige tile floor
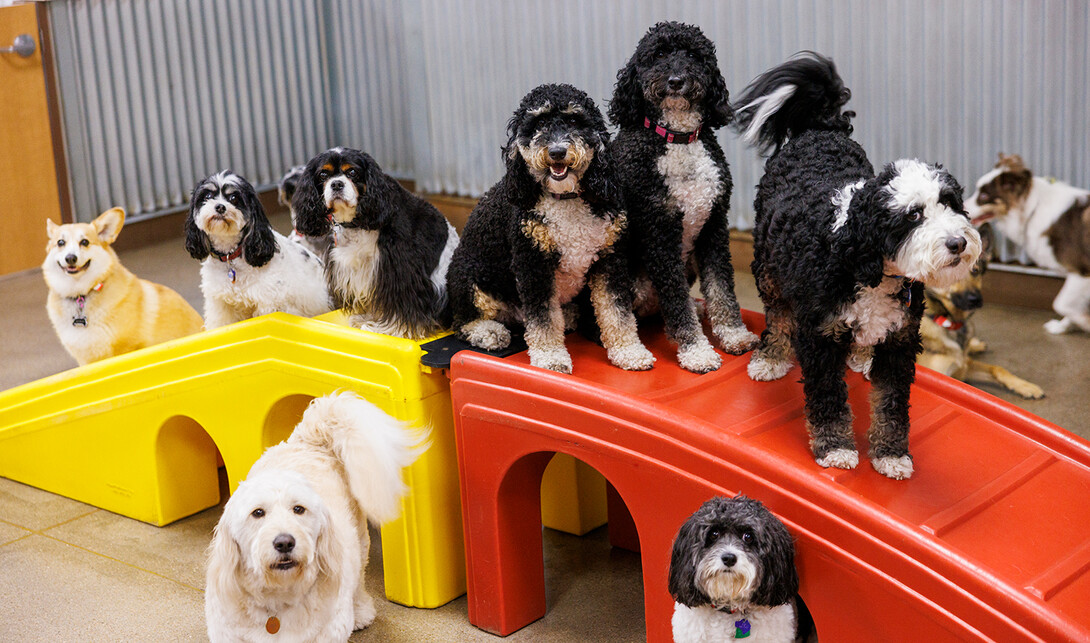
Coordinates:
[71,572]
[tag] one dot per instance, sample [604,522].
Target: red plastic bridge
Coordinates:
[989,540]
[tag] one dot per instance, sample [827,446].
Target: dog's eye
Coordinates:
[258,513]
[689,54]
[915,214]
[748,537]
[323,175]
[84,243]
[351,172]
[233,198]
[713,535]
[60,243]
[299,509]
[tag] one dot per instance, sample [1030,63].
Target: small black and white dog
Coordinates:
[248,268]
[841,257]
[388,265]
[733,576]
[669,100]
[551,225]
[284,193]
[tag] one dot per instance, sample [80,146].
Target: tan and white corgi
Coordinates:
[98,308]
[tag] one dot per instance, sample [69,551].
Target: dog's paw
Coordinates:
[840,459]
[633,357]
[736,340]
[896,468]
[699,357]
[364,611]
[1058,326]
[763,369]
[487,334]
[977,345]
[1028,390]
[556,359]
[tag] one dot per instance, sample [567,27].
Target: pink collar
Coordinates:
[670,135]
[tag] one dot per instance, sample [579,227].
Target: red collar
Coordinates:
[234,254]
[670,135]
[947,323]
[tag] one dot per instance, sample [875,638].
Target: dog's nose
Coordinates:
[337,186]
[968,299]
[956,245]
[70,259]
[729,560]
[220,208]
[558,152]
[675,83]
[284,543]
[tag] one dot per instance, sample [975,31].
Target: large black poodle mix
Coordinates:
[841,257]
[669,100]
[550,226]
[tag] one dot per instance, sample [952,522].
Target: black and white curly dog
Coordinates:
[669,100]
[391,249]
[551,225]
[733,576]
[841,257]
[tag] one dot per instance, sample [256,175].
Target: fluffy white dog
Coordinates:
[287,559]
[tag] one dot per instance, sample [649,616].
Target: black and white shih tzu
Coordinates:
[733,576]
[841,256]
[553,224]
[669,99]
[248,268]
[284,193]
[388,265]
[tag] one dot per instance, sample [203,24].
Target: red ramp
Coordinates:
[990,539]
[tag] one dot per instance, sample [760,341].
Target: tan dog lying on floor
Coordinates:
[98,308]
[949,339]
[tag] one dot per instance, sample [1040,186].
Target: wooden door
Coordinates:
[28,178]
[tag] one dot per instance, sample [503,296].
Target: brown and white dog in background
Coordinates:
[1051,221]
[949,337]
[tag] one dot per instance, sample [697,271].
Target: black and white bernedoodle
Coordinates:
[841,257]
[1050,219]
[669,100]
[248,268]
[388,265]
[288,556]
[733,576]
[551,225]
[284,193]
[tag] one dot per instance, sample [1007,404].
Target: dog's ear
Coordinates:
[51,228]
[328,550]
[779,579]
[308,204]
[259,243]
[373,203]
[524,190]
[688,547]
[717,109]
[224,563]
[196,241]
[599,185]
[108,224]
[863,241]
[627,105]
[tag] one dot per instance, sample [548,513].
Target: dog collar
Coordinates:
[904,295]
[742,626]
[565,196]
[671,136]
[234,254]
[80,319]
[947,323]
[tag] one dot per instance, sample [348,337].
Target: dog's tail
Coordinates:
[372,446]
[802,94]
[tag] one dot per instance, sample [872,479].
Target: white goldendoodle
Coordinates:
[289,552]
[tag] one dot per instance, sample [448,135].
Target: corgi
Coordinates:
[98,308]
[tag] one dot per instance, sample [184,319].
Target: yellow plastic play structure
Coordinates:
[142,434]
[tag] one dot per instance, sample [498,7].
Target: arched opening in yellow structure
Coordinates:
[282,418]
[186,469]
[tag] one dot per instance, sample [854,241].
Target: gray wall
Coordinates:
[157,94]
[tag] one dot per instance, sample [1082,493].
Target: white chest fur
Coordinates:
[693,183]
[354,260]
[579,236]
[875,313]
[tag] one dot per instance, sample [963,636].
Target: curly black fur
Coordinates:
[818,245]
[509,251]
[258,242]
[411,239]
[675,63]
[769,543]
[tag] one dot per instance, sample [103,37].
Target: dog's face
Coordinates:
[1000,190]
[734,553]
[224,212]
[961,299]
[927,234]
[277,522]
[338,186]
[556,132]
[285,190]
[78,254]
[673,69]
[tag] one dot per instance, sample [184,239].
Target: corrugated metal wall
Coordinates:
[160,93]
[168,90]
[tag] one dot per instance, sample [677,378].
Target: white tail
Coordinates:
[766,106]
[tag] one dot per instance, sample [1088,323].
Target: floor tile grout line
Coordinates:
[118,560]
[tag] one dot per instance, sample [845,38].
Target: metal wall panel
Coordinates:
[158,94]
